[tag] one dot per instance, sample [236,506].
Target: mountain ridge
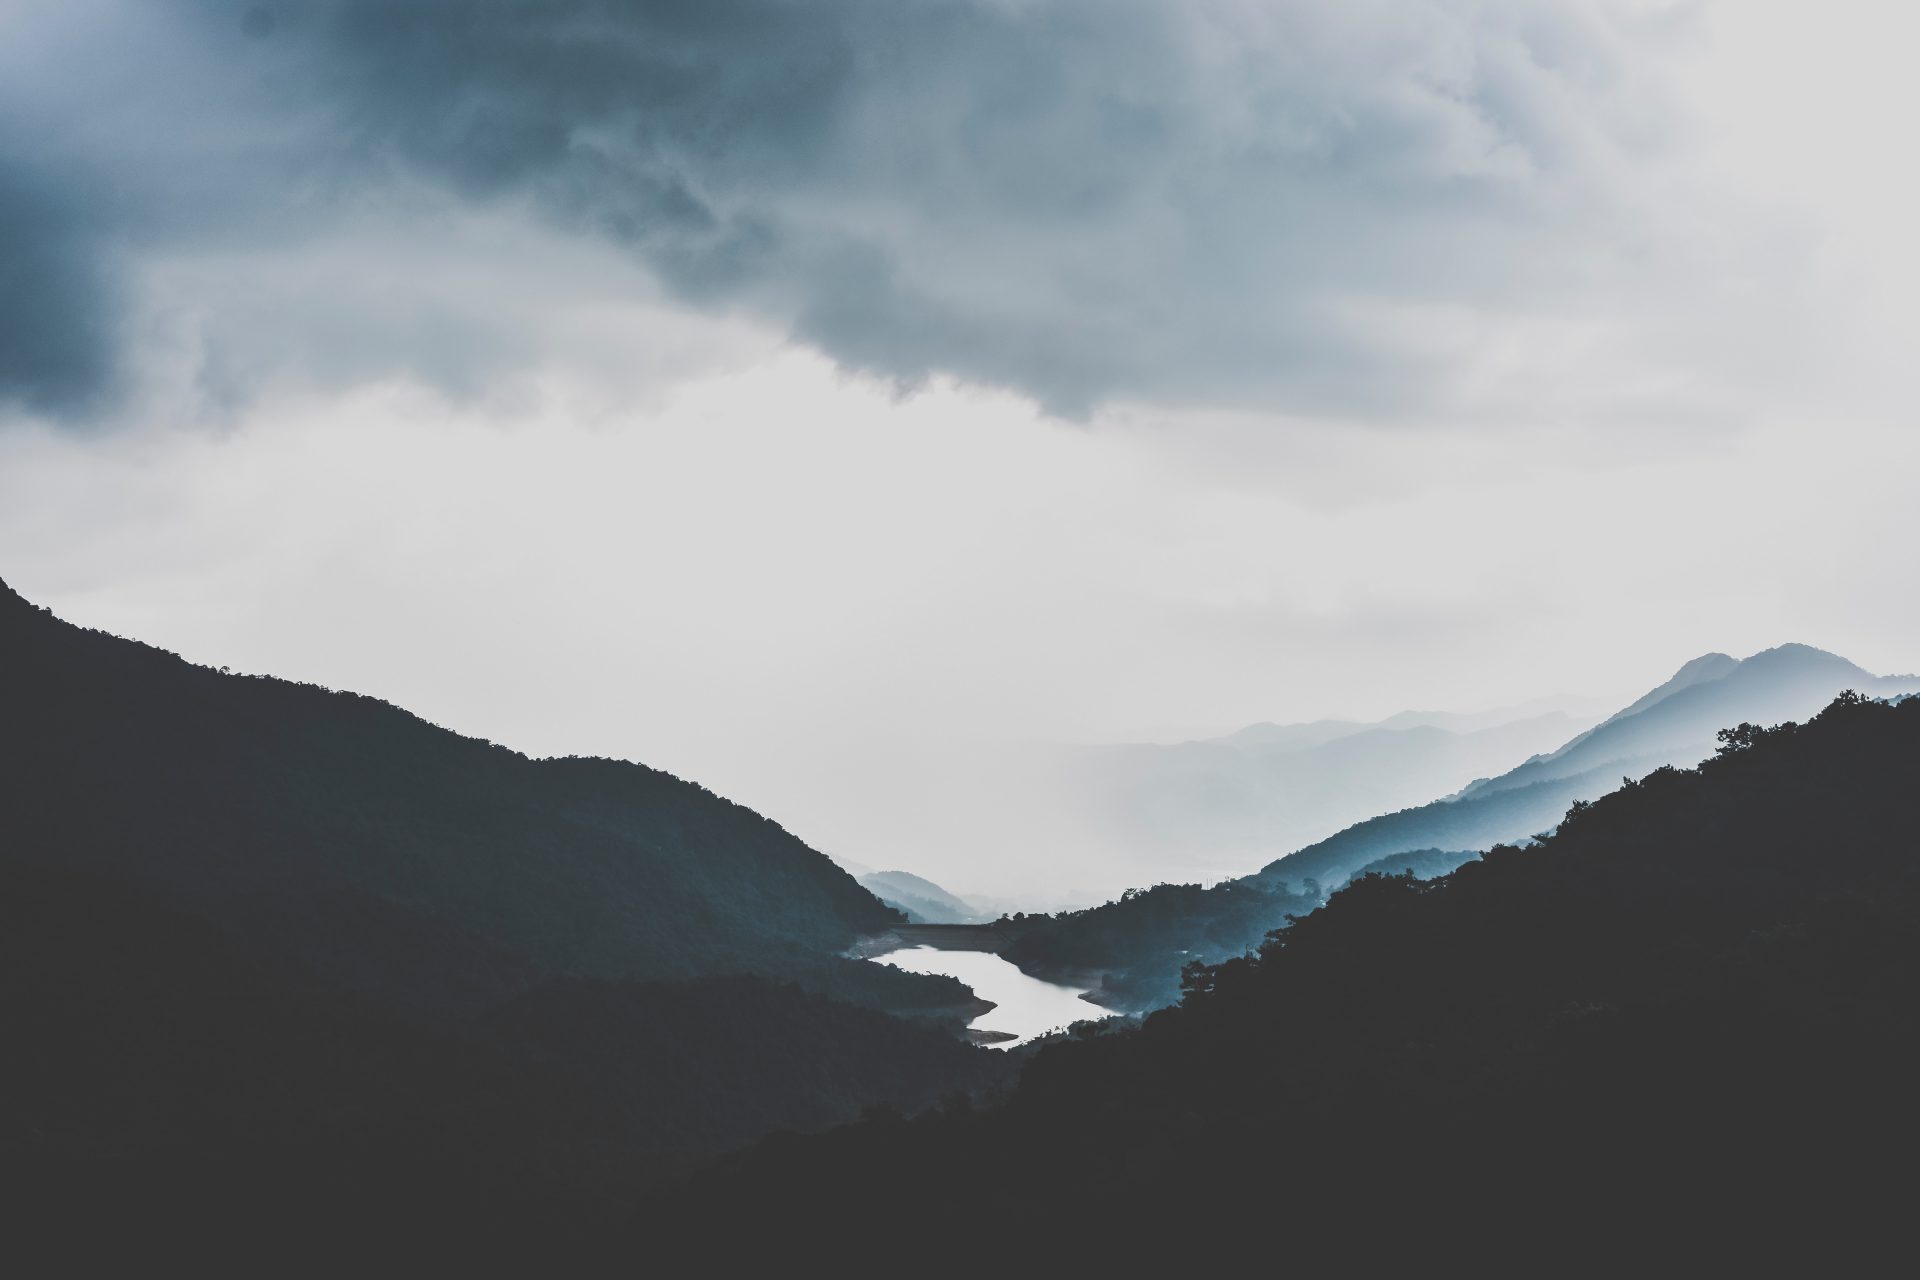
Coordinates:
[1209,808]
[924,901]
[1779,683]
[1673,724]
[249,924]
[214,788]
[1692,1009]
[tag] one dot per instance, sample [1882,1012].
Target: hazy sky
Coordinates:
[804,397]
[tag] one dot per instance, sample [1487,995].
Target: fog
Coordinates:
[867,628]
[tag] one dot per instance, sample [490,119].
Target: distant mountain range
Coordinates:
[1210,807]
[1686,1026]
[923,901]
[1048,826]
[287,973]
[1673,724]
[1313,733]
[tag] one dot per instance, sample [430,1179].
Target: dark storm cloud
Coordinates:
[57,309]
[1204,202]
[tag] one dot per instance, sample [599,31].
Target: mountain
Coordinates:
[1581,709]
[1130,953]
[214,1098]
[1706,667]
[268,945]
[924,901]
[316,813]
[1043,826]
[1291,737]
[1316,733]
[1207,807]
[1422,864]
[1683,1026]
[1674,724]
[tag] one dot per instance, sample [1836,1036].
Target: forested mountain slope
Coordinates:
[1673,724]
[303,807]
[268,951]
[923,901]
[172,1088]
[1684,1026]
[1237,801]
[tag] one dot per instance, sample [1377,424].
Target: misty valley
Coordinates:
[1047,638]
[282,960]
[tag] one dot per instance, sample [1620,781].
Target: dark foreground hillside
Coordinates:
[284,971]
[315,815]
[1681,1034]
[171,1092]
[1673,724]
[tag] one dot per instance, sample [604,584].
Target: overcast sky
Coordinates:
[805,396]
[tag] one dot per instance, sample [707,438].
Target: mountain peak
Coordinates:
[1700,670]
[1707,666]
[1796,653]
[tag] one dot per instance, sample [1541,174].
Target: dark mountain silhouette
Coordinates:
[1673,724]
[1130,953]
[924,901]
[1683,1027]
[310,811]
[1422,864]
[174,1088]
[286,951]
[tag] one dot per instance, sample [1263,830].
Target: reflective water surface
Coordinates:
[1025,1007]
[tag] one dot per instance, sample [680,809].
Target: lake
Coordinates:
[1025,1007]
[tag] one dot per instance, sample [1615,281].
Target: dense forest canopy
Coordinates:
[1170,926]
[1689,1018]
[314,812]
[271,975]
[272,955]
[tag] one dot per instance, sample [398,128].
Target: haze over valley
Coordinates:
[1061,637]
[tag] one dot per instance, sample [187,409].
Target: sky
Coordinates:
[824,400]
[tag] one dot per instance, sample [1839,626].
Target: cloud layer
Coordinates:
[1347,209]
